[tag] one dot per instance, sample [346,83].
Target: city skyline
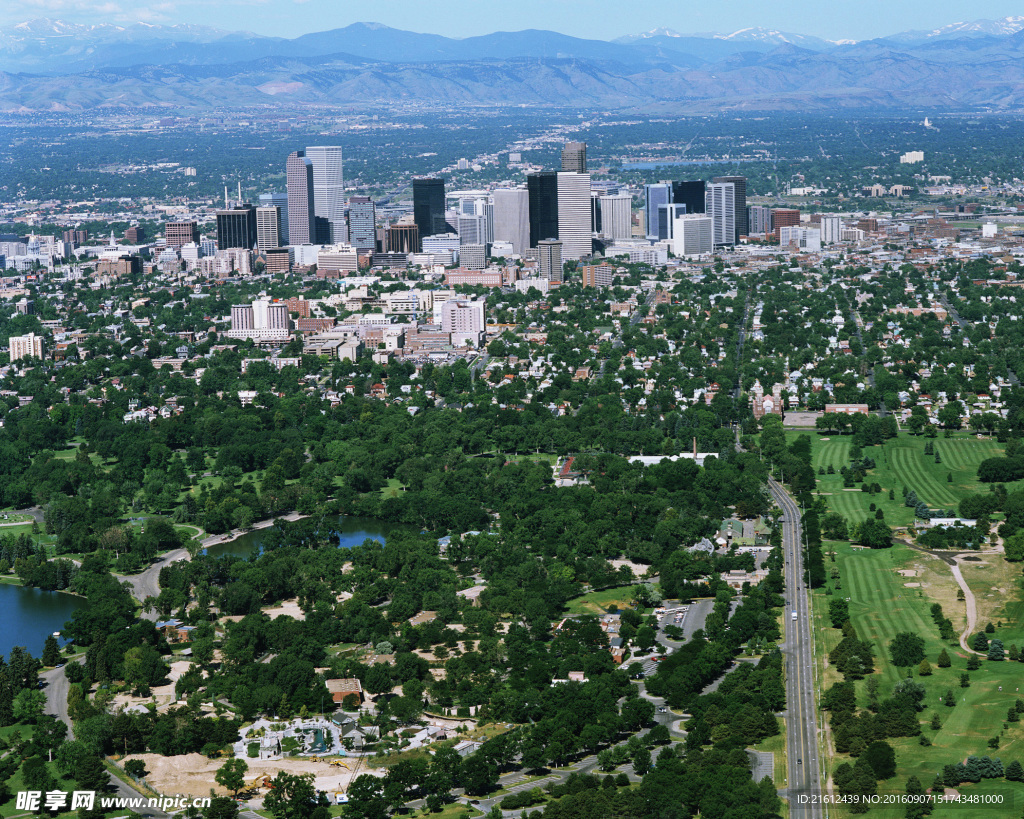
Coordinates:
[600,20]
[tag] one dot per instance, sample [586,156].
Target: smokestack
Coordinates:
[695,447]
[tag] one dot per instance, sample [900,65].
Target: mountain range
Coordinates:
[50,65]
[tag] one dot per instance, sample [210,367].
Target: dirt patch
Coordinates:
[638,569]
[908,572]
[912,585]
[286,607]
[193,773]
[162,695]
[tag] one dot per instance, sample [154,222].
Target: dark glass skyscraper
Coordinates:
[236,227]
[690,194]
[428,205]
[739,184]
[543,193]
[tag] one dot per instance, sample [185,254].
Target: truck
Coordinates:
[794,615]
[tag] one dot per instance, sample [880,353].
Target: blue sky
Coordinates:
[598,19]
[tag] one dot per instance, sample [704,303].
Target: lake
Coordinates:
[350,530]
[29,615]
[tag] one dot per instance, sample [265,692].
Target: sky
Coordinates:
[596,19]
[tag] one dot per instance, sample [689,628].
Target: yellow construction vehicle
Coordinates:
[339,764]
[262,781]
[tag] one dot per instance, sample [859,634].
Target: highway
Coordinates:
[802,757]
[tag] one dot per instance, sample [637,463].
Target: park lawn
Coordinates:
[390,490]
[901,462]
[776,746]
[882,606]
[20,529]
[598,602]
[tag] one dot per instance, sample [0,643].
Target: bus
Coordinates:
[794,615]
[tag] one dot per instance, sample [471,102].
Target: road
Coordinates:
[56,690]
[146,584]
[802,754]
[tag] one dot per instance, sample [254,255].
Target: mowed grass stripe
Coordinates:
[915,475]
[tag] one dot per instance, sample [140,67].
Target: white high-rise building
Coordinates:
[831,227]
[720,205]
[280,201]
[800,237]
[616,216]
[329,188]
[25,346]
[693,234]
[472,229]
[574,215]
[464,320]
[268,228]
[512,218]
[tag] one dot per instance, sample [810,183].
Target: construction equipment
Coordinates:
[339,764]
[340,798]
[262,781]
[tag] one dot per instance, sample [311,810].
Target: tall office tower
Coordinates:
[511,220]
[542,190]
[362,216]
[784,217]
[321,231]
[831,226]
[693,234]
[473,256]
[236,227]
[181,233]
[574,215]
[472,230]
[721,207]
[428,205]
[550,253]
[616,216]
[328,190]
[268,228]
[759,219]
[667,215]
[690,194]
[299,173]
[574,157]
[655,196]
[739,184]
[402,238]
[279,201]
[277,317]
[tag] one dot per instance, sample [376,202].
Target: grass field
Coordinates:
[901,462]
[598,602]
[881,605]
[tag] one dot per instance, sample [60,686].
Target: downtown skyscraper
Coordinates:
[301,213]
[329,190]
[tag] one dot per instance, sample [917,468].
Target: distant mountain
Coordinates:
[977,28]
[49,65]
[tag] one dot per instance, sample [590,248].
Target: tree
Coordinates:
[980,642]
[641,761]
[646,595]
[136,769]
[943,661]
[29,704]
[882,759]
[293,797]
[924,669]
[51,652]
[906,649]
[1015,772]
[995,650]
[231,775]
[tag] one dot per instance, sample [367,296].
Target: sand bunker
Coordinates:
[912,585]
[908,572]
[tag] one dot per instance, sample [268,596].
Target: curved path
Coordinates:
[972,607]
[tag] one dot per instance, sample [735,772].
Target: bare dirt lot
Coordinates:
[193,773]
